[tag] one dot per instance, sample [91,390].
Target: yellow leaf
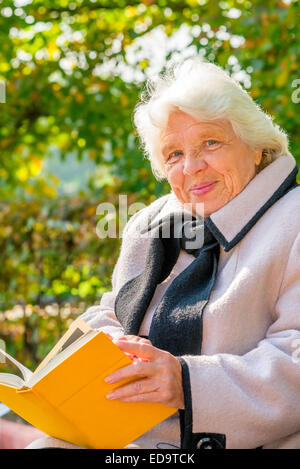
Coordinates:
[103,86]
[254,92]
[35,166]
[290,113]
[79,97]
[81,142]
[4,67]
[144,64]
[192,3]
[27,70]
[282,78]
[49,191]
[130,11]
[22,173]
[91,211]
[124,100]
[52,49]
[38,227]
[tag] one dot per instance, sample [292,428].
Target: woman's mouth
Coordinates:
[201,189]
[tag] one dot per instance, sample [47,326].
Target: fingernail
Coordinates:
[110,396]
[108,379]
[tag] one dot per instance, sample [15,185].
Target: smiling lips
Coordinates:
[200,189]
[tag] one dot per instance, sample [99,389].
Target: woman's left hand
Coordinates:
[157,375]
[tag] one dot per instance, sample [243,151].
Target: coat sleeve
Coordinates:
[254,399]
[103,316]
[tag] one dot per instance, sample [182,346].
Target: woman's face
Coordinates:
[205,161]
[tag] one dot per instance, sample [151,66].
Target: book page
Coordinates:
[12,380]
[77,329]
[26,373]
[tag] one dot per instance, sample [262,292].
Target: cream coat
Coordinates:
[246,382]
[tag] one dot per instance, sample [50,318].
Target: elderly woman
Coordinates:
[215,324]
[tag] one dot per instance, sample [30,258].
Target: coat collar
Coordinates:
[232,222]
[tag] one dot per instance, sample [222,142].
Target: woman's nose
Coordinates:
[193,164]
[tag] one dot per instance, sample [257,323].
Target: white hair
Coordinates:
[206,92]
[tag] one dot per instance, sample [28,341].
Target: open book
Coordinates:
[66,395]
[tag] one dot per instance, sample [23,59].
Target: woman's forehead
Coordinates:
[179,124]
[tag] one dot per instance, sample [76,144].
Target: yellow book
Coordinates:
[66,395]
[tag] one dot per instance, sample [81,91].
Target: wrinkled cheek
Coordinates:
[175,176]
[231,185]
[176,181]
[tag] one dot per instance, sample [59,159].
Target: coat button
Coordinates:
[205,443]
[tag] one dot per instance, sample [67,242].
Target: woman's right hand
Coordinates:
[155,375]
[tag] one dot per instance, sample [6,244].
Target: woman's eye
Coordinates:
[175,153]
[211,142]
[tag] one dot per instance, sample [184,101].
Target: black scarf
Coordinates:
[177,322]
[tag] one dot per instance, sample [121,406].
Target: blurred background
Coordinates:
[71,73]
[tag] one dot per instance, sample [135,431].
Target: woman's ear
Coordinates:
[258,156]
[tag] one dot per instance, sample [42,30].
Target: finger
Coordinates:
[132,357]
[140,386]
[135,338]
[139,349]
[128,337]
[143,340]
[137,369]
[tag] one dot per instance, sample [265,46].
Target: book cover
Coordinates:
[67,398]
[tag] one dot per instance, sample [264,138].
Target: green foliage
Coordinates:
[50,257]
[59,95]
[56,94]
[51,253]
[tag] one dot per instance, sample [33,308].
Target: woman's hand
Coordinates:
[156,374]
[133,338]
